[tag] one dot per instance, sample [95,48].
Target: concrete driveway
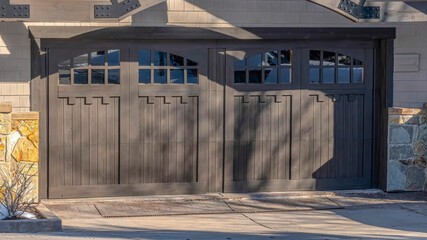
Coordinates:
[364,216]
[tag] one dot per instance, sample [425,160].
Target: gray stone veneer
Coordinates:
[407,151]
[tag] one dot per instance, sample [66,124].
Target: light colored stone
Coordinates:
[420,162]
[16,124]
[2,149]
[419,149]
[28,128]
[25,151]
[396,180]
[400,152]
[415,179]
[401,134]
[5,123]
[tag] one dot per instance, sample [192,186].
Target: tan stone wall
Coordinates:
[407,154]
[19,141]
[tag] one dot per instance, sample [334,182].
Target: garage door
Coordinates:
[134,118]
[124,120]
[298,118]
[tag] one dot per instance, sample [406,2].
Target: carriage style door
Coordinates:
[124,119]
[298,117]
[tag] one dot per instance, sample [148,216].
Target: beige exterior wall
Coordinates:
[410,86]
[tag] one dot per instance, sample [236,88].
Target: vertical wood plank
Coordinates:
[77,144]
[85,119]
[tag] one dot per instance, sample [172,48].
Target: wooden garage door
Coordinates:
[298,118]
[124,120]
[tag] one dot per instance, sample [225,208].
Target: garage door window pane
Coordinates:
[113,57]
[176,60]
[65,64]
[177,76]
[65,76]
[240,76]
[255,76]
[98,76]
[344,60]
[80,76]
[192,76]
[270,75]
[357,62]
[160,58]
[160,76]
[328,75]
[270,58]
[286,57]
[328,58]
[191,63]
[314,57]
[285,75]
[357,75]
[314,75]
[81,61]
[97,58]
[144,58]
[114,76]
[255,60]
[144,76]
[343,75]
[240,63]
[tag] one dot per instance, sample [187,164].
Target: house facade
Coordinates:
[140,97]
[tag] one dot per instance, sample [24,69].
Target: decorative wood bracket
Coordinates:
[117,9]
[359,11]
[8,10]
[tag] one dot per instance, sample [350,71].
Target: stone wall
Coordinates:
[407,154]
[19,141]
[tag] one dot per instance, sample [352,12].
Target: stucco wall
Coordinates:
[410,88]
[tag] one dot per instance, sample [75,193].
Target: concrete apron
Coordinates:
[218,203]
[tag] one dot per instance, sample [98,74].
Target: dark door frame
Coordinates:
[44,37]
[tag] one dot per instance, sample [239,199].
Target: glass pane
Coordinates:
[255,76]
[357,75]
[357,62]
[144,58]
[177,76]
[64,76]
[255,60]
[286,57]
[328,75]
[270,75]
[343,75]
[343,60]
[191,63]
[328,58]
[144,76]
[113,57]
[160,76]
[114,76]
[314,75]
[81,76]
[160,58]
[97,58]
[98,76]
[314,57]
[285,75]
[240,76]
[192,76]
[240,63]
[270,58]
[81,60]
[64,64]
[176,60]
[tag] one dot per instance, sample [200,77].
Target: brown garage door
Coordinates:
[133,118]
[124,120]
[298,118]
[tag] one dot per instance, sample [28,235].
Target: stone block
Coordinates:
[2,149]
[422,134]
[396,176]
[5,124]
[401,134]
[25,151]
[419,149]
[420,162]
[415,179]
[29,128]
[400,152]
[16,124]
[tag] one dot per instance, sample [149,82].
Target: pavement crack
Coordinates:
[254,221]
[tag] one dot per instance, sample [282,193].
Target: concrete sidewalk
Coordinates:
[365,216]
